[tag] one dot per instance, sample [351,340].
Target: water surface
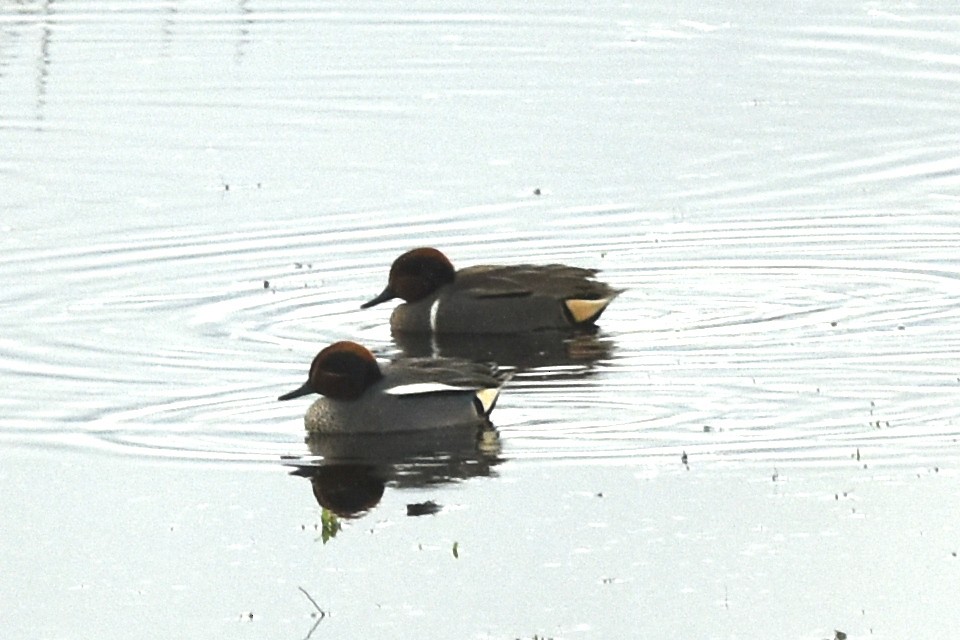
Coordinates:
[198,196]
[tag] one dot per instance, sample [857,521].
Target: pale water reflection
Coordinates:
[199,195]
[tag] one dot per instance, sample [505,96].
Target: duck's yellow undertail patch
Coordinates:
[585,310]
[487,398]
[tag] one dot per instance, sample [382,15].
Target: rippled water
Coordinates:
[197,196]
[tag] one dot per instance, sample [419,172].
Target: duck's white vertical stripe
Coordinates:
[433,315]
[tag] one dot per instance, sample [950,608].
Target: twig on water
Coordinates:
[323,614]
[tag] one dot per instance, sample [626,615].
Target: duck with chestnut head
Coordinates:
[490,299]
[409,394]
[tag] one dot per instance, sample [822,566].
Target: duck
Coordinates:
[409,394]
[490,299]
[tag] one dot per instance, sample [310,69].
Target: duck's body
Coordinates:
[491,298]
[409,394]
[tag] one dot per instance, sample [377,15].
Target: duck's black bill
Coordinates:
[302,391]
[386,294]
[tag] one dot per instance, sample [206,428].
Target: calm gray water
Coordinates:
[197,196]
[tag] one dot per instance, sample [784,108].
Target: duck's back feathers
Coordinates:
[554,280]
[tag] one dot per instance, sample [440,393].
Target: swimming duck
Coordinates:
[490,298]
[408,394]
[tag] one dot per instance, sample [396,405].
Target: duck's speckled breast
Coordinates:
[384,413]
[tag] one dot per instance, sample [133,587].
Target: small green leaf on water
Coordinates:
[456,548]
[329,525]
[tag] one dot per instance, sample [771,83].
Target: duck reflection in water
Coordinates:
[353,470]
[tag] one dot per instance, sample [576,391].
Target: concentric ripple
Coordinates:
[179,346]
[193,211]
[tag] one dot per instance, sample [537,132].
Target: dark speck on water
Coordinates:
[423,508]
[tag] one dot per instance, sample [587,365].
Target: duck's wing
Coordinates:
[413,376]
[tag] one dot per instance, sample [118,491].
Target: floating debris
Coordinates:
[427,508]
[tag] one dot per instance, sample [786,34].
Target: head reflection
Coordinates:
[353,471]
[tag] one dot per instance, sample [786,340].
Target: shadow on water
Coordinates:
[352,471]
